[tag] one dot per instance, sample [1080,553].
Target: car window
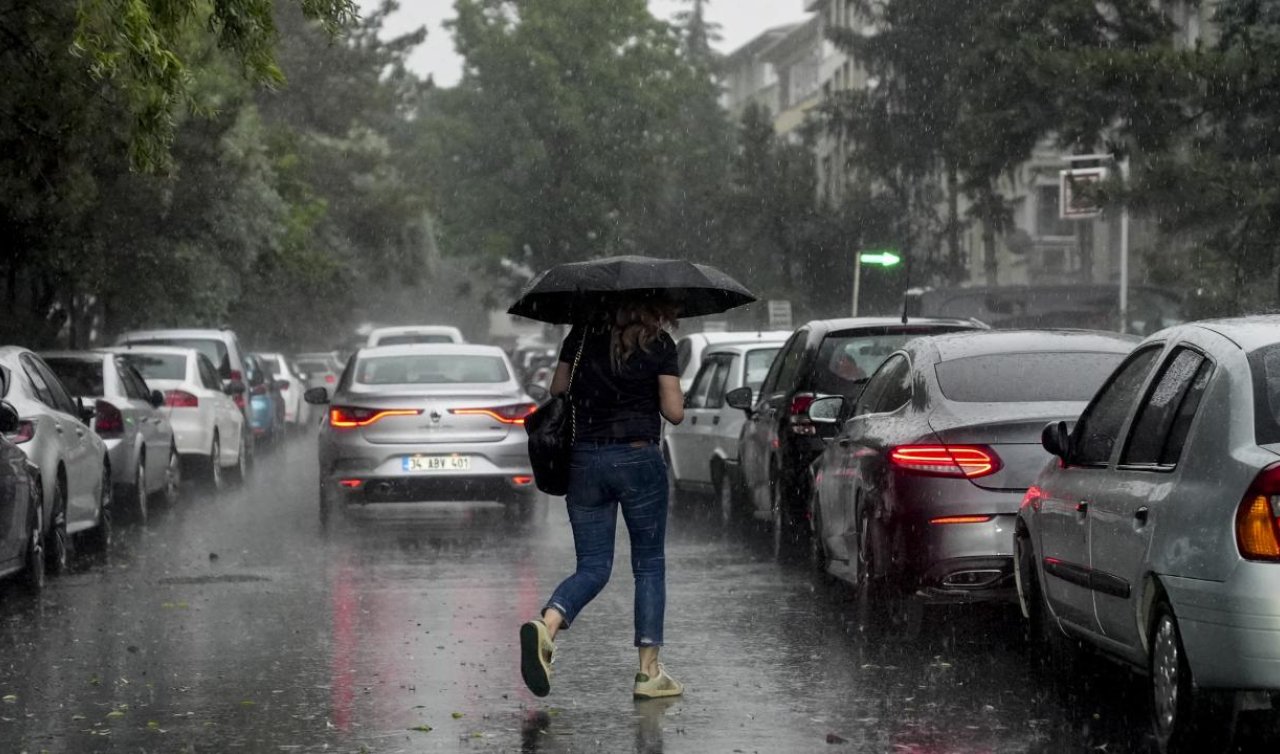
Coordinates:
[846,360]
[156,366]
[702,384]
[684,355]
[208,375]
[1025,377]
[81,376]
[135,387]
[38,385]
[757,367]
[412,339]
[787,366]
[1098,430]
[1164,418]
[720,382]
[62,400]
[878,385]
[215,350]
[897,387]
[431,369]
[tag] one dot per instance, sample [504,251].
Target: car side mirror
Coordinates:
[235,387]
[826,410]
[86,413]
[538,393]
[10,422]
[157,399]
[742,398]
[317,396]
[1056,439]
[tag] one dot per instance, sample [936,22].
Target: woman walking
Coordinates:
[624,376]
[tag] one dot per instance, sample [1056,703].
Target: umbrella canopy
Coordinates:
[571,293]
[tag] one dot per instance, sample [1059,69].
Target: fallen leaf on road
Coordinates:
[458,716]
[114,713]
[9,698]
[422,728]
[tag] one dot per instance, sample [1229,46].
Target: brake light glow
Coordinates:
[513,414]
[351,484]
[1032,498]
[108,421]
[181,399]
[347,417]
[1258,518]
[944,520]
[26,431]
[970,461]
[238,399]
[800,404]
[236,376]
[330,379]
[522,481]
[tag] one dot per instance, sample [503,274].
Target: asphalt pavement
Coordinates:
[237,624]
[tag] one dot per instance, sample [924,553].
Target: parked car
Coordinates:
[413,334]
[319,369]
[1154,536]
[689,348]
[266,403]
[915,500]
[291,387]
[1016,307]
[222,348]
[701,449]
[21,515]
[424,423]
[75,471]
[778,442]
[208,429]
[131,419]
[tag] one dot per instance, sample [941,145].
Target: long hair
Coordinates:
[636,325]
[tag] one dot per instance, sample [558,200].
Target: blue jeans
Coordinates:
[601,478]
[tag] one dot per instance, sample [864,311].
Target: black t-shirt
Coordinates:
[617,407]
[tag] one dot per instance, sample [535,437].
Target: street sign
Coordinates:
[881,258]
[1073,200]
[780,315]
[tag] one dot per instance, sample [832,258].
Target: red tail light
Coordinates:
[800,404]
[330,379]
[284,384]
[971,461]
[513,414]
[236,376]
[944,520]
[26,431]
[181,399]
[238,399]
[351,484]
[108,421]
[1258,518]
[347,417]
[522,481]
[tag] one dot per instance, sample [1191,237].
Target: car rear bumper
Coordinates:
[123,464]
[962,562]
[374,491]
[191,435]
[1231,629]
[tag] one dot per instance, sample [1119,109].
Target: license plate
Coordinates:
[437,463]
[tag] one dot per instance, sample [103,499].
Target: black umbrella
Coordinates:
[570,293]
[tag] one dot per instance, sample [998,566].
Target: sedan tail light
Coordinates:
[108,421]
[1258,518]
[798,414]
[181,399]
[512,414]
[330,379]
[348,417]
[26,431]
[969,461]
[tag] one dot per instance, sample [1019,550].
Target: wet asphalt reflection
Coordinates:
[236,624]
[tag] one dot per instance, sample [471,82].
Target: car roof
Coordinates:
[855,323]
[739,336]
[91,355]
[317,355]
[144,348]
[741,348]
[206,333]
[445,349]
[410,329]
[1250,333]
[986,342]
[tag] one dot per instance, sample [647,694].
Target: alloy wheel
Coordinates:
[817,548]
[1165,675]
[173,478]
[140,492]
[35,547]
[58,541]
[215,464]
[724,496]
[104,533]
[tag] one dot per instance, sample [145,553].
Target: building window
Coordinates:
[1048,222]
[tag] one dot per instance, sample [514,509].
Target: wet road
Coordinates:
[235,624]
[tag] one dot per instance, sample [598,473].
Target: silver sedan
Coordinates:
[1155,534]
[424,423]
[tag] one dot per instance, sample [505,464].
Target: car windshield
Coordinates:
[270,365]
[1265,364]
[1025,377]
[215,350]
[846,360]
[431,369]
[157,366]
[81,377]
[758,363]
[315,367]
[408,339]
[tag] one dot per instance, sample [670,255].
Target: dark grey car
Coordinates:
[915,500]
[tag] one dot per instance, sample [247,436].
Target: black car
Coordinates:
[21,516]
[832,357]
[915,500]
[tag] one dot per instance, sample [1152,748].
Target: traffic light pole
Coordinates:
[857,280]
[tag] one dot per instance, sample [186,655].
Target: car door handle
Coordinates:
[715,421]
[1141,516]
[58,428]
[693,420]
[844,442]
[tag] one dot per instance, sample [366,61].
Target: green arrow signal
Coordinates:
[884,258]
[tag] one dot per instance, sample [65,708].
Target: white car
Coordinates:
[292,386]
[208,428]
[414,335]
[689,348]
[701,449]
[75,472]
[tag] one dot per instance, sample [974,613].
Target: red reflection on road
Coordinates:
[342,669]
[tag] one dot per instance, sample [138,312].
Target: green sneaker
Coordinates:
[536,652]
[657,688]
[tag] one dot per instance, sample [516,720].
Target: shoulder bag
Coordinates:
[552,435]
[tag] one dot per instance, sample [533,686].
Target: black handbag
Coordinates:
[552,436]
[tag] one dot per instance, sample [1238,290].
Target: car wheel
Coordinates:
[139,492]
[213,473]
[241,471]
[57,546]
[725,499]
[818,557]
[34,577]
[101,535]
[673,491]
[172,478]
[787,531]
[1184,718]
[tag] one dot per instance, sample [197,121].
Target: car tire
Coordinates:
[882,605]
[57,545]
[818,557]
[34,574]
[138,492]
[726,500]
[213,469]
[673,490]
[100,537]
[1060,652]
[240,474]
[1184,719]
[172,490]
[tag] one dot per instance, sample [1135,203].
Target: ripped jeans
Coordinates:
[601,478]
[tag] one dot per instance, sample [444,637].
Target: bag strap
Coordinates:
[573,413]
[573,370]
